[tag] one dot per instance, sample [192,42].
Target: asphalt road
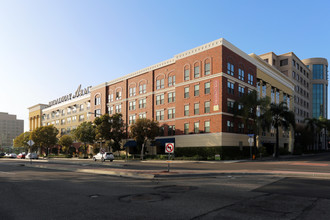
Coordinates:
[32,193]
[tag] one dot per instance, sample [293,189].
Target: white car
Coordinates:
[31,156]
[11,155]
[103,157]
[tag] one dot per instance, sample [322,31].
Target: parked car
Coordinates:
[21,156]
[31,156]
[2,154]
[11,155]
[103,157]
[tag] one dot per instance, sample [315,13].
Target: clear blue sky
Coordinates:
[48,48]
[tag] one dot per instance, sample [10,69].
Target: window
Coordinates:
[264,89]
[207,126]
[132,105]
[160,99]
[230,106]
[277,96]
[230,87]
[63,111]
[74,109]
[81,108]
[63,122]
[171,113]
[230,126]
[186,92]
[284,62]
[186,110]
[160,115]
[196,109]
[196,71]
[131,119]
[196,90]
[318,71]
[171,97]
[97,113]
[142,115]
[207,69]
[293,63]
[186,74]
[207,88]
[241,74]
[81,117]
[132,91]
[161,131]
[230,69]
[143,88]
[160,83]
[118,95]
[118,108]
[171,130]
[171,81]
[186,128]
[68,120]
[272,95]
[196,127]
[241,127]
[288,101]
[110,110]
[266,60]
[88,105]
[241,91]
[110,98]
[250,79]
[207,107]
[142,103]
[68,110]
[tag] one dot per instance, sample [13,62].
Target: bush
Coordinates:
[283,151]
[208,153]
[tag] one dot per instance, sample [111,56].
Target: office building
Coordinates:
[10,128]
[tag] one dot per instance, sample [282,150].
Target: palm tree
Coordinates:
[311,125]
[254,111]
[281,117]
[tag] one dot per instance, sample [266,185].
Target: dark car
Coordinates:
[2,154]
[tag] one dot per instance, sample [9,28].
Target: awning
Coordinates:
[130,143]
[162,141]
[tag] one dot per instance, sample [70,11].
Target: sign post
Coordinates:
[251,141]
[30,143]
[169,148]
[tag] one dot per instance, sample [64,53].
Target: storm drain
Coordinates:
[145,197]
[174,189]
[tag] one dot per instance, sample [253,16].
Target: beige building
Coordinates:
[279,88]
[10,128]
[291,66]
[65,113]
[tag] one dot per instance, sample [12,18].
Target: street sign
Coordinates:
[30,143]
[169,148]
[102,151]
[250,140]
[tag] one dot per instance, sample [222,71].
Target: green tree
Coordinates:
[281,117]
[102,128]
[45,137]
[21,140]
[254,111]
[117,132]
[85,133]
[65,141]
[144,130]
[312,126]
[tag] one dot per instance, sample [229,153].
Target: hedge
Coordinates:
[205,153]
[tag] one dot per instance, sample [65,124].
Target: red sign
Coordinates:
[169,148]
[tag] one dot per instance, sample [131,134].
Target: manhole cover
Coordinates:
[175,188]
[146,197]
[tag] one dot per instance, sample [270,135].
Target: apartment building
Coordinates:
[10,128]
[192,95]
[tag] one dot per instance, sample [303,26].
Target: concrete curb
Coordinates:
[164,175]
